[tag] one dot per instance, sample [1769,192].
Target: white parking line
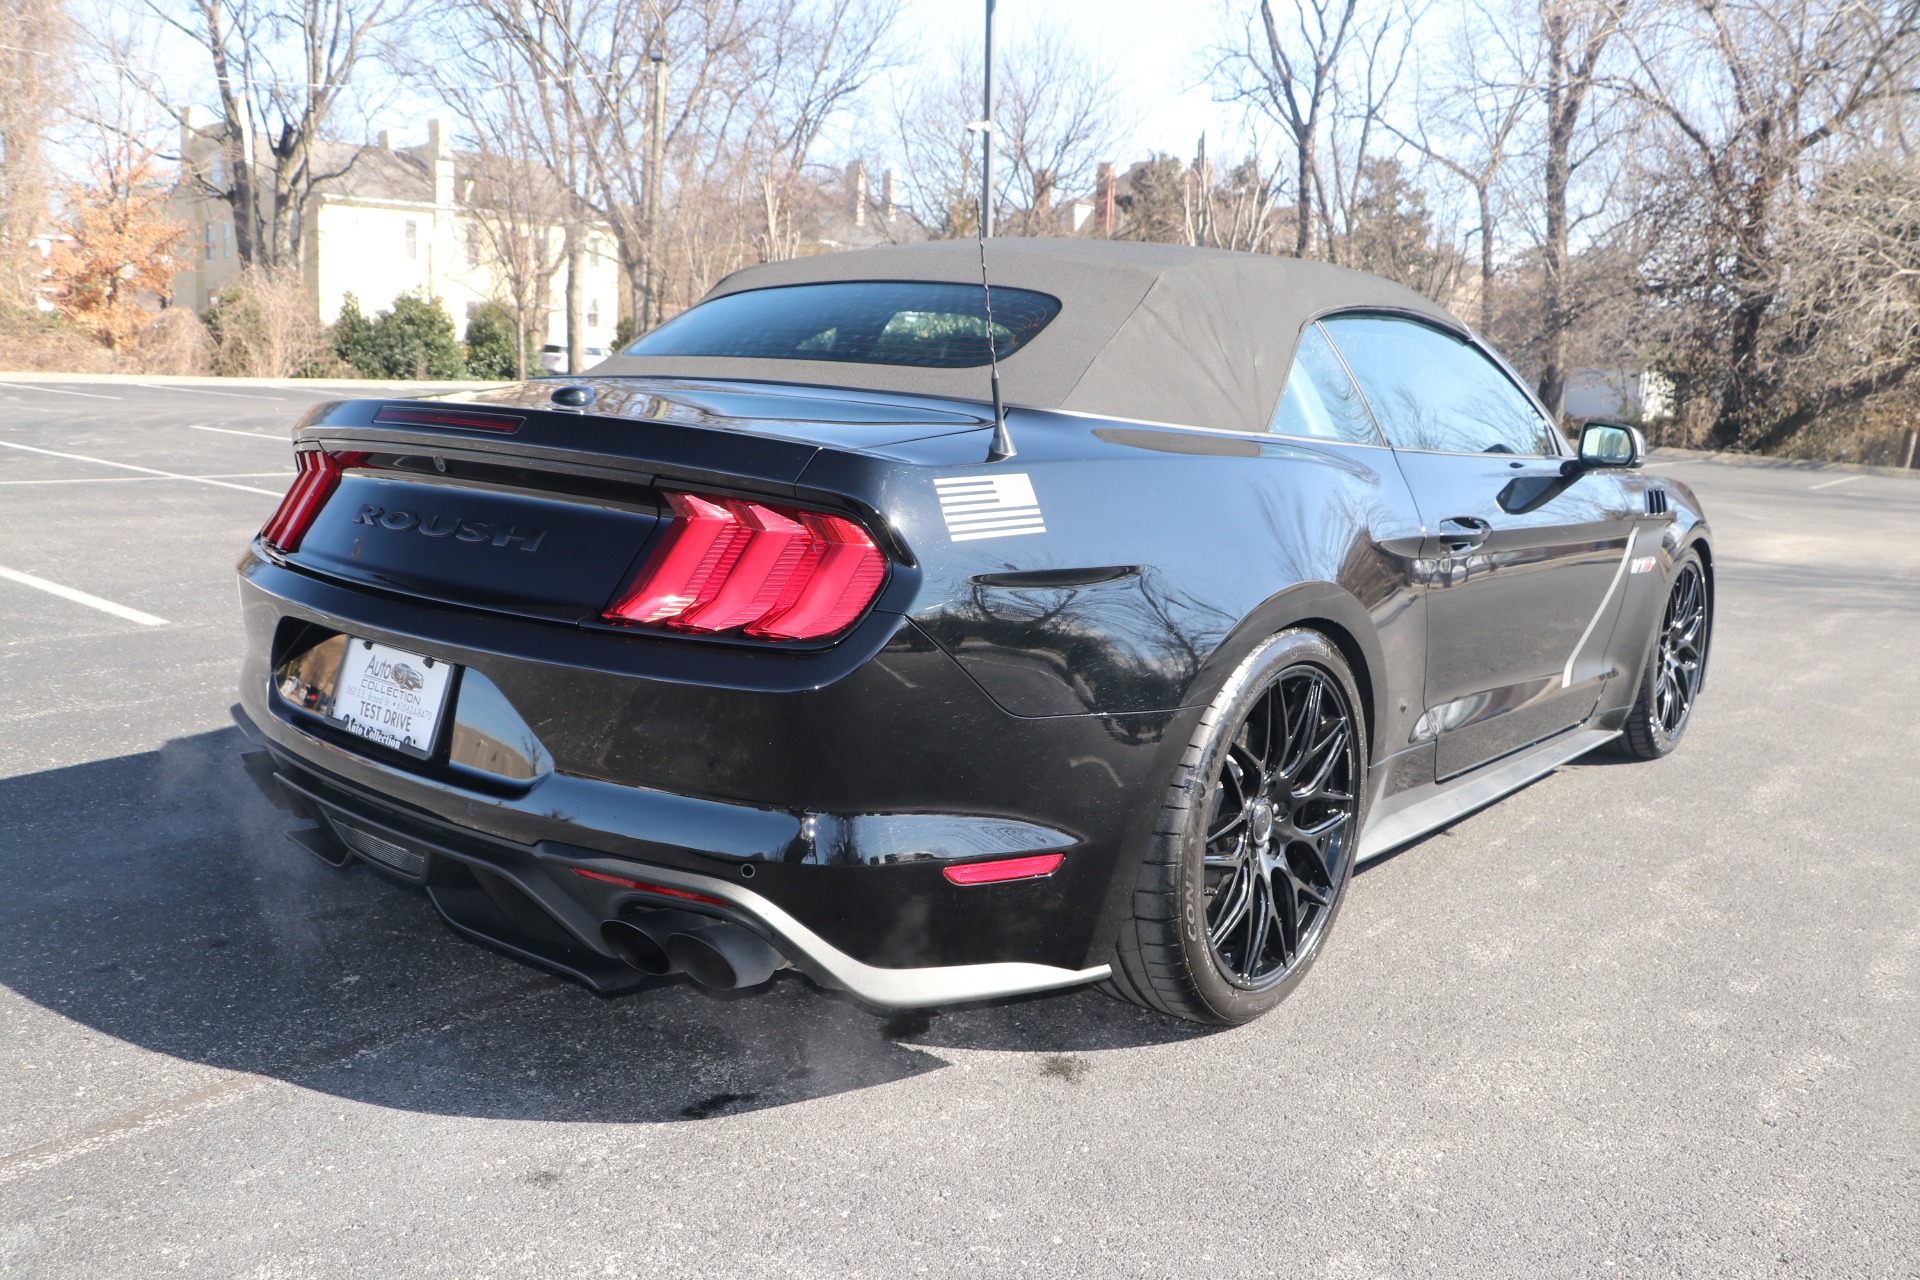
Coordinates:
[1830,483]
[85,395]
[229,431]
[81,597]
[128,466]
[232,475]
[204,391]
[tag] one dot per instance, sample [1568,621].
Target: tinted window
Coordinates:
[1321,400]
[1431,390]
[938,326]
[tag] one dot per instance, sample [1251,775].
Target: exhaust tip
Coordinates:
[723,956]
[640,940]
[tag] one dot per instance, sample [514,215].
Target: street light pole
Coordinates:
[656,172]
[986,134]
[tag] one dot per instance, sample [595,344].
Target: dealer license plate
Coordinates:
[390,696]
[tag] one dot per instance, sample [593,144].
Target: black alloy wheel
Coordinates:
[1681,651]
[1280,828]
[1676,666]
[1261,825]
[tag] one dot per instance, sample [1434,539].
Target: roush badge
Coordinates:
[433,525]
[993,506]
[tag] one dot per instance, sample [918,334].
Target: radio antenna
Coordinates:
[1002,446]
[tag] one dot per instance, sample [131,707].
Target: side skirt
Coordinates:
[1435,805]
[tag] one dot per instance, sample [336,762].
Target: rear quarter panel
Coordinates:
[1166,555]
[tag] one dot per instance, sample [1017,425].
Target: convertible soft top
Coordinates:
[1162,333]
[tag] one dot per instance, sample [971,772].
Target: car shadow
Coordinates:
[153,898]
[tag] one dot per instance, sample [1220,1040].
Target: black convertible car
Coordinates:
[758,648]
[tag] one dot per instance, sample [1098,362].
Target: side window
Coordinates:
[1321,400]
[1431,390]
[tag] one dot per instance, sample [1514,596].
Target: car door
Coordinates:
[1521,564]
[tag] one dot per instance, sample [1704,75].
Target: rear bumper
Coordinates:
[820,805]
[532,902]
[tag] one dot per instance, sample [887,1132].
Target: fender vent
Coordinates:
[410,863]
[1656,501]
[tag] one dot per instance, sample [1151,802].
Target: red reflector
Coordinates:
[725,564]
[318,476]
[1032,868]
[625,883]
[418,416]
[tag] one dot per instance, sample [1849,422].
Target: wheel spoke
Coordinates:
[1264,713]
[1335,746]
[1332,822]
[1262,908]
[1288,913]
[1302,733]
[1229,919]
[1238,819]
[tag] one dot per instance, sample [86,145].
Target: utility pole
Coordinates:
[656,171]
[986,135]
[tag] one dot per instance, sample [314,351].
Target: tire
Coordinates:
[1188,949]
[1675,668]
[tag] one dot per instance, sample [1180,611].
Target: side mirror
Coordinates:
[1608,444]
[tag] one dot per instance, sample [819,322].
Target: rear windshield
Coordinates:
[935,326]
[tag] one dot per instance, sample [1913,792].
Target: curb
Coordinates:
[1779,464]
[174,380]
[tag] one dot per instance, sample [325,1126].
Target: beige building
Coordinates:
[395,220]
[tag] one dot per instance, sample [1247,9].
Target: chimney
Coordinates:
[857,192]
[386,139]
[1103,199]
[199,141]
[440,158]
[1042,193]
[890,196]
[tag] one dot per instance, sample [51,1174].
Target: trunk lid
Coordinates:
[505,502]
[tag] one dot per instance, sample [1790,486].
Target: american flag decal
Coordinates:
[996,506]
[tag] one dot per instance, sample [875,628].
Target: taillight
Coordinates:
[777,573]
[1034,867]
[423,416]
[625,883]
[319,475]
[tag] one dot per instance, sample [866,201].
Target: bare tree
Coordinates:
[810,62]
[753,83]
[264,325]
[1239,210]
[513,207]
[1468,121]
[282,70]
[1574,38]
[33,73]
[1761,99]
[1058,115]
[1286,71]
[1347,176]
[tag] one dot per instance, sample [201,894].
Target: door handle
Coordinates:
[1463,533]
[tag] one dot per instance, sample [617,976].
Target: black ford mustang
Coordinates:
[756,648]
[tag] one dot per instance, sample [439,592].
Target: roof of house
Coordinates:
[1162,333]
[372,173]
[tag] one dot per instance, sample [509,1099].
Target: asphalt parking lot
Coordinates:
[1636,1020]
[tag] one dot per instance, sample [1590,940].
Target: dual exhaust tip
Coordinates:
[714,953]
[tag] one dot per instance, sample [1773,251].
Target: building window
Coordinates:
[212,235]
[473,245]
[593,312]
[413,240]
[226,239]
